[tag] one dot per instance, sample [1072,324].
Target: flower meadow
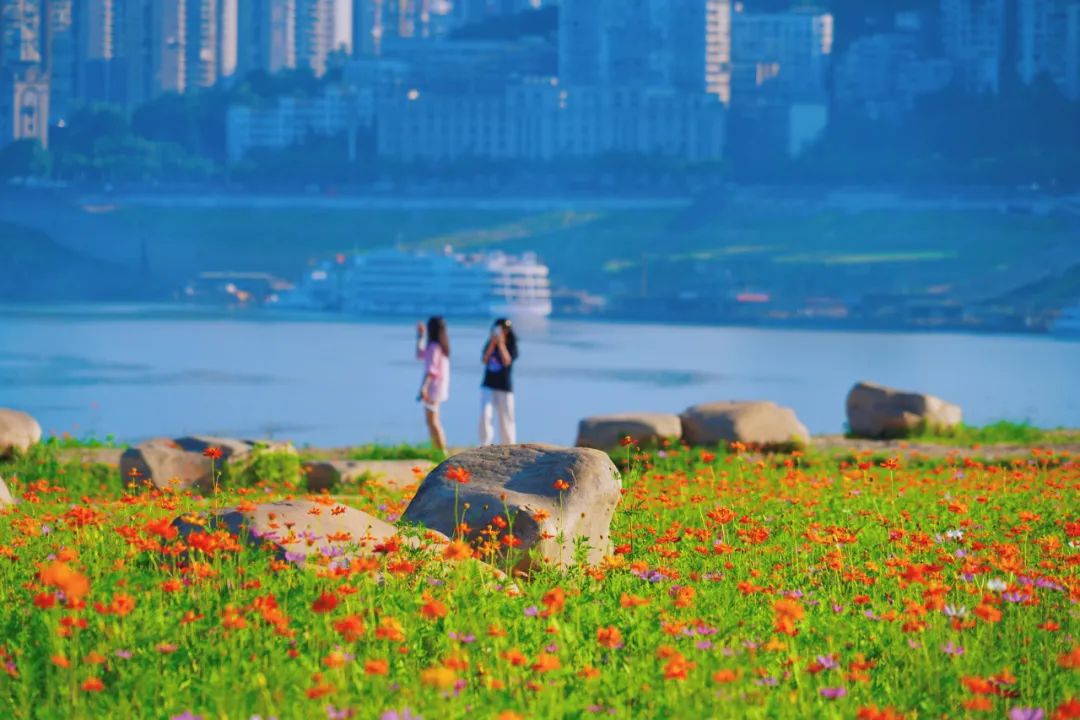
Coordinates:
[801,586]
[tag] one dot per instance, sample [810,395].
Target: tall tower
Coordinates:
[22,32]
[266,36]
[314,34]
[202,60]
[154,43]
[62,56]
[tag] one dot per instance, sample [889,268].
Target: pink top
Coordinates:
[437,365]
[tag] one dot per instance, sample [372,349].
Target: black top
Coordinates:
[496,375]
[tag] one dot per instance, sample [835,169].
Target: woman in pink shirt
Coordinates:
[434,349]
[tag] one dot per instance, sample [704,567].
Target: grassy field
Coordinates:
[785,587]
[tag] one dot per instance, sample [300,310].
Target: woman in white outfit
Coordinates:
[434,351]
[497,390]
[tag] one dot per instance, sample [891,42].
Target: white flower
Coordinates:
[997,585]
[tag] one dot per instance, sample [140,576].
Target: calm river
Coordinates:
[139,372]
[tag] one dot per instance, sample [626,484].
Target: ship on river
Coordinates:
[396,282]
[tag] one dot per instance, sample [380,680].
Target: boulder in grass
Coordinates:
[543,500]
[875,411]
[607,431]
[756,423]
[181,463]
[303,531]
[18,431]
[5,494]
[394,474]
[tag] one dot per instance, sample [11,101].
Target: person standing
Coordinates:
[497,390]
[433,348]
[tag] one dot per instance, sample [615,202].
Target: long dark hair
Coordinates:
[436,333]
[511,337]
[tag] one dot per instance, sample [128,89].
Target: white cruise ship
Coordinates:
[394,282]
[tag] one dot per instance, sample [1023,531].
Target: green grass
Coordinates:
[403,451]
[1003,432]
[783,587]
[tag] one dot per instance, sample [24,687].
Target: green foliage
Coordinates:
[68,442]
[24,158]
[1003,432]
[264,465]
[403,451]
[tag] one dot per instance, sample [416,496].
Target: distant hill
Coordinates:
[36,268]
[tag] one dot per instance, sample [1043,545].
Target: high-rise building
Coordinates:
[154,46]
[684,44]
[382,25]
[100,64]
[22,32]
[266,36]
[24,105]
[62,59]
[314,34]
[228,17]
[202,47]
[780,58]
[973,35]
[1047,42]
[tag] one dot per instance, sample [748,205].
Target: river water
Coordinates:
[139,372]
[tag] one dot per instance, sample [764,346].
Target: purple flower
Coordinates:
[334,713]
[1020,713]
[123,654]
[1014,597]
[833,693]
[769,681]
[295,557]
[186,715]
[405,714]
[704,644]
[532,611]
[551,648]
[826,662]
[836,608]
[951,649]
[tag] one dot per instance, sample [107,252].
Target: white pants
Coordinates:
[501,404]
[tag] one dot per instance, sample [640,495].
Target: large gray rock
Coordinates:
[757,423]
[18,431]
[876,411]
[394,474]
[517,483]
[180,463]
[607,431]
[5,494]
[303,531]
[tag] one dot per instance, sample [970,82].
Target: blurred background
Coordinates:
[226,215]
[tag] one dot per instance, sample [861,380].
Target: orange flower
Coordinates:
[1068,710]
[515,657]
[871,712]
[458,474]
[214,453]
[325,603]
[725,676]
[376,667]
[432,609]
[439,676]
[1070,659]
[677,668]
[60,661]
[509,715]
[546,662]
[630,601]
[319,688]
[561,485]
[588,672]
[457,550]
[121,604]
[59,574]
[335,659]
[389,629]
[786,612]
[92,684]
[979,704]
[989,613]
[609,637]
[554,600]
[351,628]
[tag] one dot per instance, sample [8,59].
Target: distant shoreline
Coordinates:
[180,311]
